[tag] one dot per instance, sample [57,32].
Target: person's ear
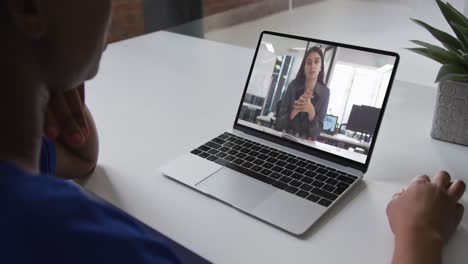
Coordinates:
[27,16]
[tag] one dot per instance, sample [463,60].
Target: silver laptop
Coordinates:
[278,163]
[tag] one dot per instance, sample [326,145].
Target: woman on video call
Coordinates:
[305,103]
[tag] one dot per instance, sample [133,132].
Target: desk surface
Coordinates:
[140,102]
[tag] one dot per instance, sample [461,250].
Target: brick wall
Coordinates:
[211,7]
[226,13]
[127,19]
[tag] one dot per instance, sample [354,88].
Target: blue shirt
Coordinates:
[45,219]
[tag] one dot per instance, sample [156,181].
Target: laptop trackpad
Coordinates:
[237,189]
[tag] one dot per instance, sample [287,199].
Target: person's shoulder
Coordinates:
[32,212]
[53,200]
[295,85]
[49,218]
[25,188]
[44,198]
[48,159]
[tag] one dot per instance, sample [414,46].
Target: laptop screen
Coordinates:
[297,84]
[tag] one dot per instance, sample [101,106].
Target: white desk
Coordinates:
[141,100]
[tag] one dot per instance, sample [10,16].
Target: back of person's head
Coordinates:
[2,10]
[60,40]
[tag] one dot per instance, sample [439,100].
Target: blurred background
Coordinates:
[382,24]
[136,17]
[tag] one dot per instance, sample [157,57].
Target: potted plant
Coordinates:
[450,121]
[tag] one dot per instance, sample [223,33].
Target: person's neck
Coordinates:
[310,84]
[23,102]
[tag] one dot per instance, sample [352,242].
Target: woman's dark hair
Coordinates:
[301,74]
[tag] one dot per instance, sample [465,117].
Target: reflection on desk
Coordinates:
[318,145]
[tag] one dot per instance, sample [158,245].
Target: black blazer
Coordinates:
[300,124]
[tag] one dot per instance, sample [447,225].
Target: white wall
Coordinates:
[363,58]
[261,75]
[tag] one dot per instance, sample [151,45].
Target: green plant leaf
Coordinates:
[459,15]
[439,54]
[446,39]
[455,56]
[463,31]
[429,46]
[427,53]
[451,72]
[454,17]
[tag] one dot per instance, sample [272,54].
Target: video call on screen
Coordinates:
[323,96]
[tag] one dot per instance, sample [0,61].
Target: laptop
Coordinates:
[283,175]
[329,124]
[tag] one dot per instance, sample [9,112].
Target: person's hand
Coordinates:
[308,106]
[304,104]
[427,208]
[299,105]
[66,117]
[308,95]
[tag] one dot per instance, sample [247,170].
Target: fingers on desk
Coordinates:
[457,189]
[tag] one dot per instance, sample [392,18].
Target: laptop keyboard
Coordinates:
[304,178]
